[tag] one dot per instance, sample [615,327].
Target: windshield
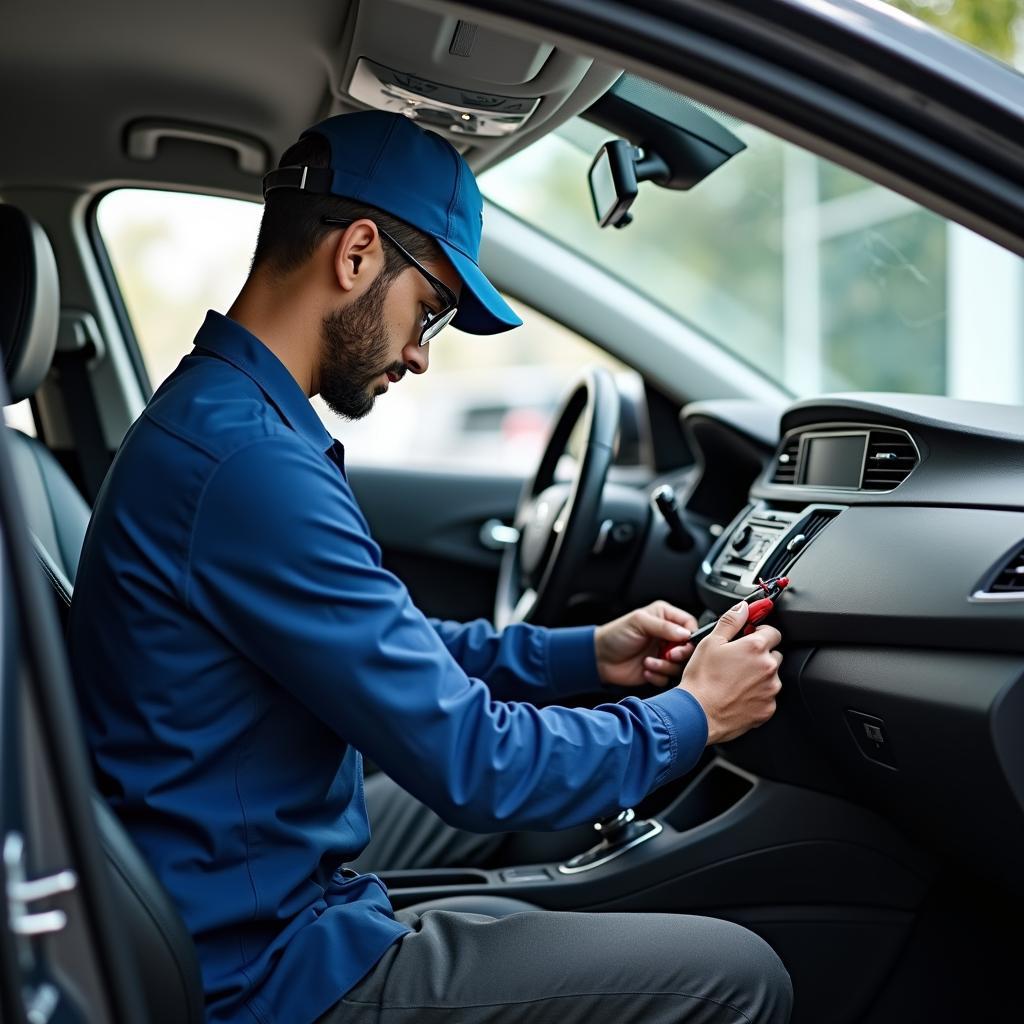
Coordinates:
[994,26]
[819,277]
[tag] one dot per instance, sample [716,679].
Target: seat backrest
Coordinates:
[164,951]
[29,318]
[154,933]
[57,513]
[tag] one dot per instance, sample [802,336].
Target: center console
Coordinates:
[783,860]
[689,858]
[761,542]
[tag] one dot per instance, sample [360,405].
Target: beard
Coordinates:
[354,353]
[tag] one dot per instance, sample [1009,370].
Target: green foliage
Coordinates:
[987,24]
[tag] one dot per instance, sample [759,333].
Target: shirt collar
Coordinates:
[231,342]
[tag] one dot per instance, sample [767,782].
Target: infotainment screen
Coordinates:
[834,461]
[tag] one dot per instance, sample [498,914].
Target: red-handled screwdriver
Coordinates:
[761,603]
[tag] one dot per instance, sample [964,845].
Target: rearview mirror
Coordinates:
[614,176]
[681,145]
[613,184]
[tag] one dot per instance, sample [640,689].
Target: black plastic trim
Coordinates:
[901,576]
[952,723]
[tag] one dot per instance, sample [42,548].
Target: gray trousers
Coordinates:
[510,966]
[476,959]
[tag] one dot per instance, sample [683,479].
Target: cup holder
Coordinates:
[717,789]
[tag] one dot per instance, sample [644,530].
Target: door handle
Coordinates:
[496,536]
[46,923]
[42,888]
[22,891]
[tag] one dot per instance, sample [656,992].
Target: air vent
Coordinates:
[783,557]
[1009,580]
[785,463]
[891,456]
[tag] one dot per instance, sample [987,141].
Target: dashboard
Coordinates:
[900,522]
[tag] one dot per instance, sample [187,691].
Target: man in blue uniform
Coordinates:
[237,644]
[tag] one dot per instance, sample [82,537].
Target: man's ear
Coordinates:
[358,256]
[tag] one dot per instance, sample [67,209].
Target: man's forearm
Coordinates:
[524,662]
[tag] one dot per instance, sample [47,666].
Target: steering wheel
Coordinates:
[557,521]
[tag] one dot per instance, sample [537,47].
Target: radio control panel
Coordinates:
[762,542]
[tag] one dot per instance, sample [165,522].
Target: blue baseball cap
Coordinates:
[386,160]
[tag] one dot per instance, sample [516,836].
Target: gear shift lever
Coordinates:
[619,833]
[619,828]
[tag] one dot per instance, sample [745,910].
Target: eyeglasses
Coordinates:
[432,323]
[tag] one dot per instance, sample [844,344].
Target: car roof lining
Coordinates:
[263,77]
[267,75]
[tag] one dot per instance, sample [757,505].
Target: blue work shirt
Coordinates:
[236,645]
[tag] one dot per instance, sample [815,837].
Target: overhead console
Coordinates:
[485,90]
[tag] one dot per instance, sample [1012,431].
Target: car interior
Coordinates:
[873,831]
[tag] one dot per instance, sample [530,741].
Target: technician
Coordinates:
[237,645]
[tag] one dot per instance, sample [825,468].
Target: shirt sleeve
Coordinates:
[282,566]
[524,662]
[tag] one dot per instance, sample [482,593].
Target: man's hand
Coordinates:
[627,648]
[735,681]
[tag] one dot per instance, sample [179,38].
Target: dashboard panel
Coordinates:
[900,522]
[971,453]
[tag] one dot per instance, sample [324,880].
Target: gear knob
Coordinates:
[617,827]
[619,833]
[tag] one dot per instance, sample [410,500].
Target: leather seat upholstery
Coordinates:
[58,515]
[29,318]
[171,983]
[29,301]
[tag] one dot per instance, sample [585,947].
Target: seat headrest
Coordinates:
[29,302]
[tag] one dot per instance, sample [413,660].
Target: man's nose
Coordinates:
[417,357]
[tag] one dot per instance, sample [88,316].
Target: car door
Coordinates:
[59,959]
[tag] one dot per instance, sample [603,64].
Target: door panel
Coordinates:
[428,525]
[60,958]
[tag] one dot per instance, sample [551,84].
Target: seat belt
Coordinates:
[80,345]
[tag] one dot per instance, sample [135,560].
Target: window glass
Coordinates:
[995,26]
[484,404]
[175,255]
[820,278]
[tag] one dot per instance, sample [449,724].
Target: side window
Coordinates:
[485,402]
[175,255]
